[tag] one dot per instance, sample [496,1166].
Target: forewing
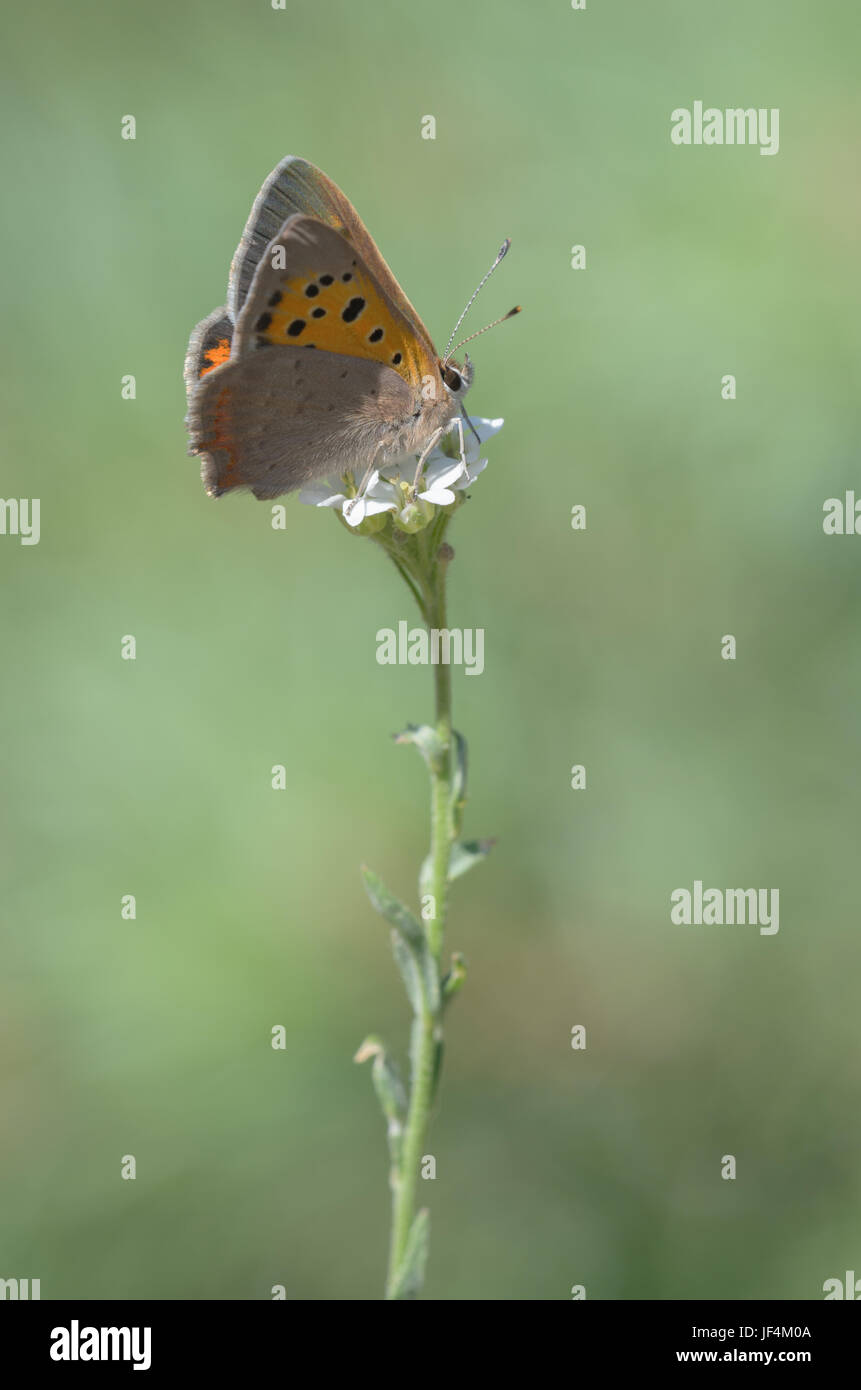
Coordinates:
[312,289]
[296,186]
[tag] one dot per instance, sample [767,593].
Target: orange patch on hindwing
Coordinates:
[216,355]
[222,440]
[342,313]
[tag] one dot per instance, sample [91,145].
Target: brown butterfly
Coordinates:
[319,365]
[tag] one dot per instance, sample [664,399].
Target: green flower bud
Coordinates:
[415,516]
[372,524]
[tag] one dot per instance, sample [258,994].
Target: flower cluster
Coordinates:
[443,481]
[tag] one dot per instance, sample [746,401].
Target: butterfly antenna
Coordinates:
[479,287]
[509,315]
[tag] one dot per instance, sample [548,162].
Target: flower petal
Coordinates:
[442,472]
[470,474]
[321,495]
[438,496]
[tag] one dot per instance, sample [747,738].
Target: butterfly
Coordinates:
[318,365]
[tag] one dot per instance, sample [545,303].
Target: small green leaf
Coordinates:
[455,978]
[410,1275]
[411,973]
[412,955]
[386,1078]
[466,854]
[391,1093]
[390,1087]
[427,741]
[391,908]
[458,779]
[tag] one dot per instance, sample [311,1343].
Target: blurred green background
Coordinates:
[256,647]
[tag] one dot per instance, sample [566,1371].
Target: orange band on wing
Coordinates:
[339,313]
[216,355]
[222,442]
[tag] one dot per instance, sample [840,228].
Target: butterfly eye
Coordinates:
[452,379]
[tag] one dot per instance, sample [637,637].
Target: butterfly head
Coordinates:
[455,378]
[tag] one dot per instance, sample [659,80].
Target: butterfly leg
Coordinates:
[459,423]
[426,451]
[363,487]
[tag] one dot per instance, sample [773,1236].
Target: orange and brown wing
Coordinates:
[295,186]
[313,289]
[209,346]
[323,373]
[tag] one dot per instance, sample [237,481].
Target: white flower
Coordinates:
[485,429]
[380,496]
[442,479]
[444,476]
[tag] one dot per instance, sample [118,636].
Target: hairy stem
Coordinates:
[427,1024]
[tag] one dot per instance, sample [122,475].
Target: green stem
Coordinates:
[412,581]
[405,1177]
[427,1024]
[442,828]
